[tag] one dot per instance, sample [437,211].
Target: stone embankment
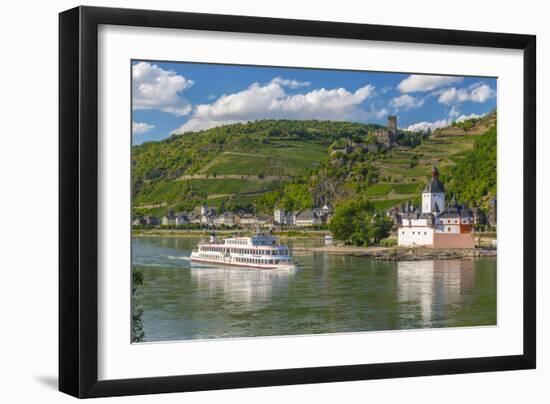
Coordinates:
[404,254]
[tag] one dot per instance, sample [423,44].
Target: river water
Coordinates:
[327,294]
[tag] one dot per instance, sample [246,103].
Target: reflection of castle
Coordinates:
[431,286]
[435,226]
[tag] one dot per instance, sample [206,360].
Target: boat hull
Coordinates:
[240,265]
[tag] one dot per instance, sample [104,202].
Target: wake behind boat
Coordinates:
[258,251]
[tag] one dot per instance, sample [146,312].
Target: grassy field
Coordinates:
[379,189]
[282,159]
[406,188]
[173,191]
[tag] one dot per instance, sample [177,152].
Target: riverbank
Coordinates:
[403,254]
[222,233]
[376,252]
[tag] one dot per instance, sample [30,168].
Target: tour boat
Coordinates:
[258,252]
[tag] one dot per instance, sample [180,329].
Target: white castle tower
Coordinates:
[433,196]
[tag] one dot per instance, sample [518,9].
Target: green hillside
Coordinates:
[231,165]
[259,165]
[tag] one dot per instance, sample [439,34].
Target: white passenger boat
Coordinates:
[258,252]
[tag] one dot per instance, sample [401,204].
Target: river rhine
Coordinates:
[327,294]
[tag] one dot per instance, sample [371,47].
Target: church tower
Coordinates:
[433,196]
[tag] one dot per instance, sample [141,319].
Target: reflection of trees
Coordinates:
[241,284]
[137,312]
[430,289]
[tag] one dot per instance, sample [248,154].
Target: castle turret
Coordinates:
[392,128]
[433,196]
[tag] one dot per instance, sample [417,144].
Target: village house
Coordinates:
[145,221]
[305,217]
[263,220]
[247,219]
[207,215]
[193,217]
[181,219]
[138,221]
[169,219]
[227,219]
[434,225]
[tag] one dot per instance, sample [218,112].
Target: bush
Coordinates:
[388,242]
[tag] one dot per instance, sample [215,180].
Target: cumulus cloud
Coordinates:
[139,128]
[271,101]
[406,102]
[454,112]
[420,82]
[424,126]
[478,92]
[160,89]
[290,83]
[463,118]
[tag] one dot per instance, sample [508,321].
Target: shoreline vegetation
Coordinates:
[376,252]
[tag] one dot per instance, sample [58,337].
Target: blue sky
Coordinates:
[182,97]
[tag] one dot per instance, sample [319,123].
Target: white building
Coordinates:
[169,220]
[435,225]
[305,217]
[279,216]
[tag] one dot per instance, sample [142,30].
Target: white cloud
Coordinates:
[478,92]
[290,83]
[139,128]
[156,88]
[424,126]
[271,101]
[454,112]
[419,82]
[406,102]
[463,118]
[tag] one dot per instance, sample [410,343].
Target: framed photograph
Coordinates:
[251,201]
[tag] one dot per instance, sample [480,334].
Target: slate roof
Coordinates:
[434,186]
[306,214]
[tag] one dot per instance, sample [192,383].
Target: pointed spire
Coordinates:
[435,172]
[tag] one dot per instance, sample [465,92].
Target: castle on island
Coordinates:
[435,224]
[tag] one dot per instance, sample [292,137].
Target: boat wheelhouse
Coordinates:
[258,251]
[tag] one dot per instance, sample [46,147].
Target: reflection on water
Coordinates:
[240,284]
[327,293]
[426,288]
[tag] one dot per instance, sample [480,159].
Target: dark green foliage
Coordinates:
[357,222]
[186,154]
[388,242]
[137,312]
[474,178]
[409,139]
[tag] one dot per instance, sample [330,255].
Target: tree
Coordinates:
[137,312]
[357,222]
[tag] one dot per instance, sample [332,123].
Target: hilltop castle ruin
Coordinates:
[388,136]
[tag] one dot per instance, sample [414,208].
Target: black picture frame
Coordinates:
[78,201]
